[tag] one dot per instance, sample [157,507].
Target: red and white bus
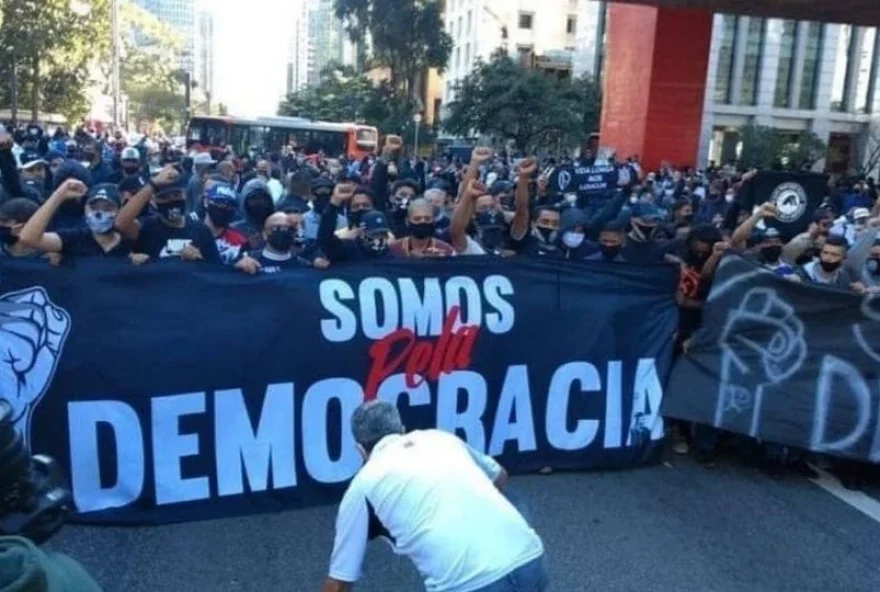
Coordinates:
[271,134]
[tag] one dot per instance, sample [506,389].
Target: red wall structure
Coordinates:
[655,83]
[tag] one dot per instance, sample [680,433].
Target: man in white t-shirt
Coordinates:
[435,500]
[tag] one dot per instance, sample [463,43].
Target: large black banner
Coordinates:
[177,392]
[784,362]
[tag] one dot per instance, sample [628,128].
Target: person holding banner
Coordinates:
[438,501]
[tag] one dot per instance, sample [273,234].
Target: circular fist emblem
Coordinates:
[790,200]
[32,334]
[564,180]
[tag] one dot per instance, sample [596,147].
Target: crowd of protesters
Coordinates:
[64,198]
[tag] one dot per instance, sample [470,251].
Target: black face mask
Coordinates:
[830,267]
[609,253]
[6,236]
[687,219]
[130,170]
[873,265]
[421,231]
[220,217]
[281,239]
[172,211]
[771,254]
[259,210]
[320,202]
[546,235]
[354,218]
[697,260]
[647,232]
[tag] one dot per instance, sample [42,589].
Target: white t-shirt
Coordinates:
[472,248]
[433,498]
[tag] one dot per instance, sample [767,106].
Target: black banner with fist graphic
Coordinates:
[784,362]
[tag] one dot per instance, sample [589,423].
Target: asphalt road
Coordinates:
[668,528]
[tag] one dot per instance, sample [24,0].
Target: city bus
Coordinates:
[271,134]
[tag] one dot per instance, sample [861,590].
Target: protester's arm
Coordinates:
[479,155]
[8,168]
[34,234]
[744,231]
[379,176]
[861,250]
[327,239]
[711,265]
[520,225]
[609,212]
[127,219]
[463,213]
[792,251]
[350,542]
[494,471]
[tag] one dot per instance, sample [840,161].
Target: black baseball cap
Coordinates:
[106,191]
[374,222]
[30,158]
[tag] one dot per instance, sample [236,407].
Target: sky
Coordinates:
[251,44]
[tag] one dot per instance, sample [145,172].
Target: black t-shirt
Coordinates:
[158,240]
[79,242]
[530,246]
[270,265]
[645,253]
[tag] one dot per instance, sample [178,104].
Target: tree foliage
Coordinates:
[407,36]
[503,99]
[340,95]
[764,147]
[50,44]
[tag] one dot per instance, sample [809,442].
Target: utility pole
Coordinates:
[115,74]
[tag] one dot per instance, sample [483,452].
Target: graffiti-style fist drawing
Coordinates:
[32,334]
[762,344]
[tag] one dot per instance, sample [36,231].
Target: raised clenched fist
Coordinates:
[32,334]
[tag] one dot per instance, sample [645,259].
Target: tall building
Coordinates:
[318,40]
[793,76]
[523,28]
[204,52]
[180,14]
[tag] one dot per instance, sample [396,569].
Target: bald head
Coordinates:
[276,220]
[419,211]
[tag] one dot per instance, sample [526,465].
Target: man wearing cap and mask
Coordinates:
[97,239]
[371,241]
[256,205]
[171,233]
[645,244]
[221,205]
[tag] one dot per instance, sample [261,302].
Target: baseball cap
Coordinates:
[374,222]
[172,190]
[130,154]
[203,158]
[30,158]
[106,191]
[222,192]
[860,213]
[647,211]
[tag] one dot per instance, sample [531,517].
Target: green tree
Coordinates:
[503,99]
[762,147]
[804,152]
[407,36]
[50,43]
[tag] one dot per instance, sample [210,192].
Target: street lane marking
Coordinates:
[856,499]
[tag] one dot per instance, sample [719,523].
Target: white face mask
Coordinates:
[729,198]
[572,240]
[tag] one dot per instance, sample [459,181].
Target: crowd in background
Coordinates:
[65,197]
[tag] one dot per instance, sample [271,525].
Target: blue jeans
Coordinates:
[531,577]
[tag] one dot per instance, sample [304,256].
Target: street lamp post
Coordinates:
[417,119]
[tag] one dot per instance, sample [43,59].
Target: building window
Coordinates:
[467,30]
[875,73]
[525,20]
[457,58]
[458,29]
[865,80]
[724,76]
[785,71]
[571,24]
[467,56]
[752,61]
[842,67]
[812,62]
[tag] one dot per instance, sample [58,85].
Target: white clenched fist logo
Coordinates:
[32,334]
